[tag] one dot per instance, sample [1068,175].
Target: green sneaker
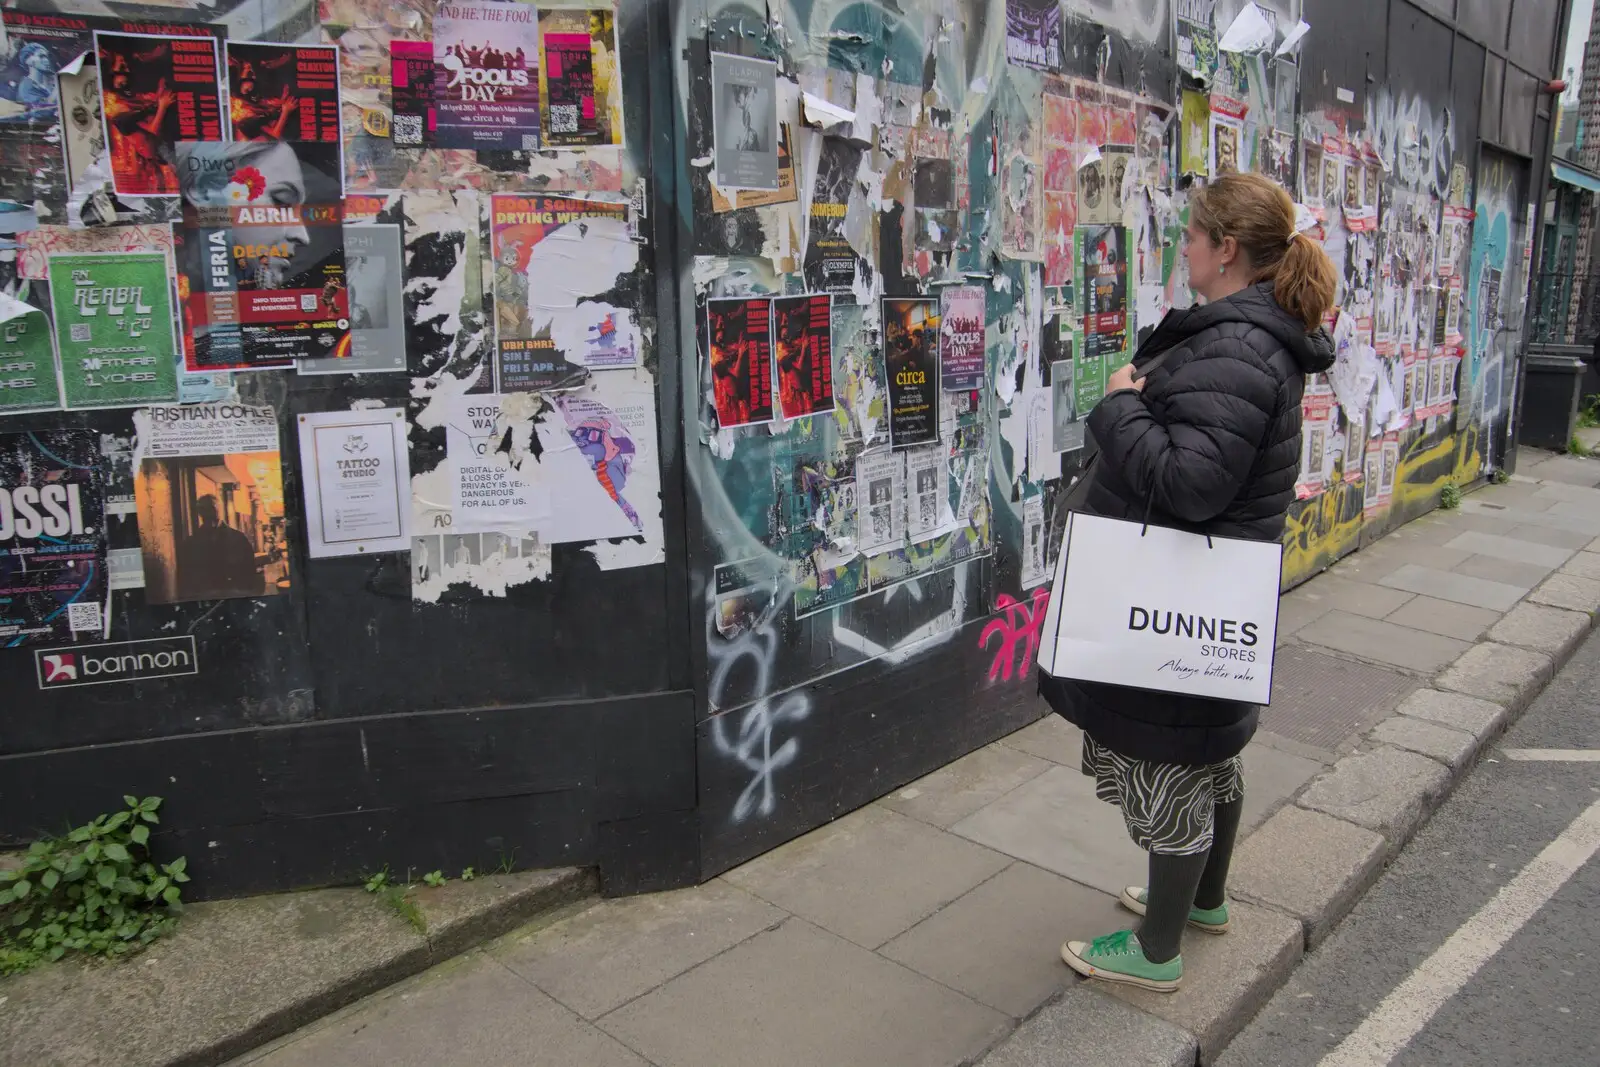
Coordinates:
[1118,957]
[1211,920]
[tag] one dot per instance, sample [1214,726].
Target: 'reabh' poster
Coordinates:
[486,75]
[154,93]
[28,378]
[261,255]
[113,316]
[52,536]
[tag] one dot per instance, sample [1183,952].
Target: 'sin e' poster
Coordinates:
[830,261]
[911,353]
[52,537]
[486,75]
[154,93]
[548,330]
[113,315]
[28,377]
[744,121]
[961,332]
[261,272]
[282,92]
[802,346]
[1033,34]
[411,93]
[578,77]
[739,346]
[1103,251]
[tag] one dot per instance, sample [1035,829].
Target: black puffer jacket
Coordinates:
[1211,445]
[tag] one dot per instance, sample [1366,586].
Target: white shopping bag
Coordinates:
[1158,609]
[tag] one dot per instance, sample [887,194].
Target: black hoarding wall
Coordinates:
[727,372]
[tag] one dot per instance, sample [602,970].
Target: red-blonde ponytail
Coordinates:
[1256,212]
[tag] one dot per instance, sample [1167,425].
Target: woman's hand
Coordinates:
[1123,379]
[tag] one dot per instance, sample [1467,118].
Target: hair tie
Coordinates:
[1292,235]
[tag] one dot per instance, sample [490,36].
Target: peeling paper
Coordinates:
[818,113]
[1292,39]
[1251,31]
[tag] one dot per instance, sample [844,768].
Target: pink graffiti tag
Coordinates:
[1020,623]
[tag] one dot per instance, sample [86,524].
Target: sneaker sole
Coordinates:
[1089,970]
[1135,905]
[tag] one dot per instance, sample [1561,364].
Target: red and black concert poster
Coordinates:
[802,345]
[281,92]
[155,92]
[740,346]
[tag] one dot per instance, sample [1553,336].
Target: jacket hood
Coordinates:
[1312,351]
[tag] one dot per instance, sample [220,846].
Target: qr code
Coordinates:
[308,301]
[563,118]
[407,129]
[530,142]
[80,333]
[83,616]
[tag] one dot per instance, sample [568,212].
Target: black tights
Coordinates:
[1178,883]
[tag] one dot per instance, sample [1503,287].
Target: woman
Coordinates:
[1209,442]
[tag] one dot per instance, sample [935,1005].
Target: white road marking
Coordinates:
[1553,755]
[1406,1010]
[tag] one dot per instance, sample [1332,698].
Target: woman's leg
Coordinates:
[1211,893]
[1170,895]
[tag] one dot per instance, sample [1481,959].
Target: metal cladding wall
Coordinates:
[837,577]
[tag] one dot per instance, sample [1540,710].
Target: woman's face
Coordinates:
[1204,258]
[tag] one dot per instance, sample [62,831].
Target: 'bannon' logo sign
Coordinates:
[121,661]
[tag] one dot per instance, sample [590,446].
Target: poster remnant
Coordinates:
[1034,571]
[486,76]
[490,490]
[1033,34]
[28,376]
[739,345]
[113,317]
[830,261]
[1103,254]
[880,484]
[83,131]
[802,350]
[744,119]
[372,261]
[155,92]
[911,351]
[579,88]
[280,92]
[52,537]
[415,120]
[357,481]
[961,334]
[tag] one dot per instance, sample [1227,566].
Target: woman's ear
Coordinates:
[1228,250]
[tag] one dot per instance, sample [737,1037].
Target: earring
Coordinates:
[1222,270]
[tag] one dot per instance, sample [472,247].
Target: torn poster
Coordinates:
[357,481]
[551,255]
[1104,263]
[1034,571]
[1066,428]
[830,261]
[373,260]
[744,121]
[491,489]
[1033,34]
[154,93]
[29,380]
[261,269]
[210,496]
[1317,415]
[739,347]
[1195,134]
[928,508]
[113,317]
[911,352]
[279,92]
[880,482]
[1197,37]
[490,563]
[936,218]
[485,75]
[1227,132]
[415,121]
[83,131]
[52,537]
[599,460]
[743,593]
[961,336]
[1060,186]
[580,91]
[802,349]
[783,194]
[1021,191]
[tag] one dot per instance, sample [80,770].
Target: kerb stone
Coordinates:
[1481,718]
[1568,591]
[1554,631]
[1311,865]
[1453,748]
[1507,676]
[1386,790]
[1084,1025]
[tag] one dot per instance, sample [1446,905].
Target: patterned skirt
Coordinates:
[1167,806]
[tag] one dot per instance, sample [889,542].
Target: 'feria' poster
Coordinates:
[52,536]
[261,254]
[486,75]
[154,93]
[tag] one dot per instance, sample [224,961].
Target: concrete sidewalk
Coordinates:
[923,929]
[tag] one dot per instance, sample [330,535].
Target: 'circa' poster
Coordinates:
[579,89]
[802,347]
[154,93]
[486,75]
[961,338]
[52,536]
[911,352]
[739,345]
[113,328]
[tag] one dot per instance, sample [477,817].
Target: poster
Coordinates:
[830,261]
[936,218]
[83,131]
[1197,37]
[1021,190]
[1195,133]
[1103,253]
[261,269]
[1227,135]
[743,592]
[722,203]
[489,490]
[744,121]
[279,92]
[580,92]
[415,120]
[154,93]
[28,377]
[485,75]
[373,259]
[961,335]
[911,352]
[599,457]
[1066,428]
[739,346]
[1033,34]
[357,480]
[881,495]
[52,536]
[1034,570]
[928,481]
[113,315]
[550,253]
[1060,186]
[210,499]
[1317,415]
[802,349]
[39,45]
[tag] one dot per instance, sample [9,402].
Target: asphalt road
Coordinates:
[1536,997]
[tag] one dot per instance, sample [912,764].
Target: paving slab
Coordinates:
[799,996]
[1335,593]
[1309,865]
[1271,778]
[620,949]
[1299,608]
[1554,631]
[1226,979]
[1386,790]
[1543,535]
[1051,738]
[1568,591]
[958,789]
[1509,548]
[1457,588]
[1481,718]
[999,943]
[1454,748]
[1505,675]
[1583,565]
[1375,561]
[478,1013]
[1085,1026]
[1382,642]
[868,876]
[1572,470]
[1444,618]
[1522,575]
[1553,518]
